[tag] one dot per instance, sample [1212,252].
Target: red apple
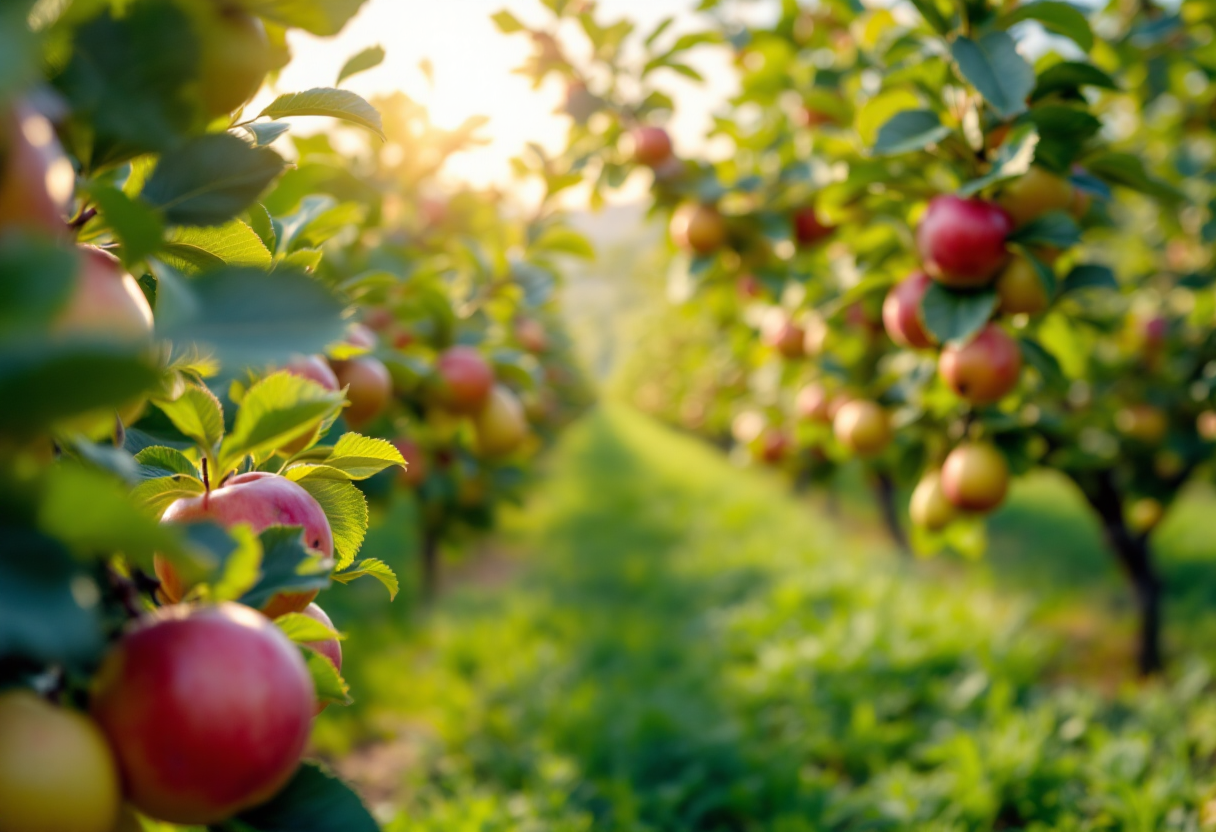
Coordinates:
[749,287]
[465,379]
[985,369]
[783,334]
[208,710]
[36,179]
[313,368]
[812,403]
[106,301]
[359,335]
[901,311]
[962,241]
[501,424]
[651,146]
[975,477]
[531,335]
[261,500]
[415,470]
[772,446]
[57,773]
[808,230]
[699,228]
[369,387]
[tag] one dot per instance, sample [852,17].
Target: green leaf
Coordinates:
[318,17]
[198,414]
[210,179]
[346,509]
[909,130]
[993,66]
[303,628]
[369,58]
[36,278]
[932,14]
[1043,361]
[1055,229]
[956,316]
[54,380]
[326,680]
[192,250]
[506,22]
[247,317]
[565,241]
[136,225]
[1089,276]
[275,411]
[882,108]
[362,457]
[375,568]
[127,83]
[159,461]
[314,801]
[20,51]
[156,495]
[241,568]
[1128,170]
[1061,18]
[326,101]
[264,134]
[1068,77]
[287,566]
[92,514]
[262,223]
[49,610]
[1012,160]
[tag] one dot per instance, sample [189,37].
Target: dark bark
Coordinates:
[1134,555]
[430,566]
[884,493]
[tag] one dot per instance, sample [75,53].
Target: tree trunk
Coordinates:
[884,492]
[430,567]
[1135,557]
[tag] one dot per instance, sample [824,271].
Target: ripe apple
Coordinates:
[331,648]
[962,241]
[812,403]
[501,424]
[105,302]
[57,773]
[651,146]
[313,368]
[698,228]
[930,509]
[772,446]
[465,379]
[782,333]
[36,178]
[863,427]
[1205,425]
[1020,290]
[985,369]
[1143,423]
[531,335]
[208,710]
[1034,193]
[361,336]
[901,311]
[748,287]
[1144,515]
[415,470]
[262,500]
[808,230]
[235,58]
[369,387]
[975,477]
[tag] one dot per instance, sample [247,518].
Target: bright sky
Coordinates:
[472,64]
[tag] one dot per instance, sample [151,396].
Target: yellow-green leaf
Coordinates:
[197,413]
[361,456]
[346,509]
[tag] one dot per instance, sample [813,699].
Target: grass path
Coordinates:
[684,647]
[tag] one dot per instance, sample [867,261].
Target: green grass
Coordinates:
[685,647]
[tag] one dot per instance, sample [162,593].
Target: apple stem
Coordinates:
[206,483]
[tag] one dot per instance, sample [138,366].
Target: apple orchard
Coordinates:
[935,252]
